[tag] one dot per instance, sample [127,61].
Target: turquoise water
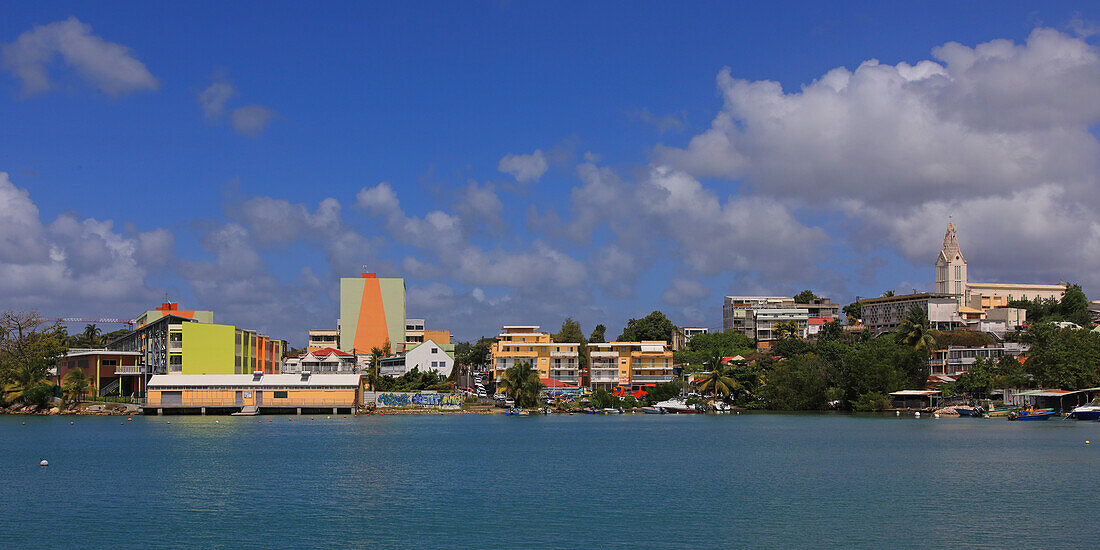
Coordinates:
[759,480]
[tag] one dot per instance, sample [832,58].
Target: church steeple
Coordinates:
[951,267]
[951,252]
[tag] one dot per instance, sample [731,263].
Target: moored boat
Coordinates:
[653,410]
[1086,412]
[677,406]
[1031,415]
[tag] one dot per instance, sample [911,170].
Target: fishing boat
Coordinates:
[609,410]
[653,410]
[1003,411]
[966,411]
[511,412]
[1031,415]
[1086,412]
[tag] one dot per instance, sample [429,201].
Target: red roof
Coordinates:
[555,383]
[325,352]
[818,320]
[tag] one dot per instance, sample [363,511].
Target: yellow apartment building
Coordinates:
[623,365]
[518,343]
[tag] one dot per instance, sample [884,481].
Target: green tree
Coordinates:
[603,399]
[853,312]
[654,326]
[571,333]
[376,355]
[663,392]
[880,366]
[915,332]
[888,294]
[599,334]
[717,381]
[1074,306]
[800,383]
[474,356]
[90,337]
[805,297]
[521,383]
[75,386]
[703,346]
[29,347]
[832,331]
[1063,358]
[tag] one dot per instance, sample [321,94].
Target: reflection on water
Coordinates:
[652,481]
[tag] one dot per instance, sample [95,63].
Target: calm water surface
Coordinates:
[759,480]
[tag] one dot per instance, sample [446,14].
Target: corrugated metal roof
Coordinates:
[251,381]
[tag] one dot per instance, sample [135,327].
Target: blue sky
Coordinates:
[654,167]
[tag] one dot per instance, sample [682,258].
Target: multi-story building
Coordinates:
[372,312]
[756,316]
[887,313]
[323,338]
[519,343]
[956,360]
[191,343]
[629,366]
[108,372]
[682,335]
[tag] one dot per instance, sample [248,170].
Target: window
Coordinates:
[280,395]
[435,350]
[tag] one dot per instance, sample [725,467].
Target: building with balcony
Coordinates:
[682,335]
[756,316]
[957,360]
[169,341]
[619,366]
[887,313]
[322,361]
[519,343]
[108,372]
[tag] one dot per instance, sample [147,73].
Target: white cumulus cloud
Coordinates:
[525,168]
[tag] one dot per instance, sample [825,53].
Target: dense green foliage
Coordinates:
[915,332]
[414,380]
[961,337]
[571,333]
[599,334]
[1073,307]
[29,347]
[1063,358]
[654,326]
[853,312]
[805,297]
[702,346]
[800,383]
[663,392]
[603,399]
[984,376]
[718,379]
[473,356]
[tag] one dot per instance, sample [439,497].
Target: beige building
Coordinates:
[613,365]
[519,343]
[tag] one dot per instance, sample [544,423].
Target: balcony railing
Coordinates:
[663,378]
[129,369]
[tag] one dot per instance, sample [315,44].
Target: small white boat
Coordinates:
[1086,412]
[677,406]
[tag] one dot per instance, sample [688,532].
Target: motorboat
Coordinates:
[610,410]
[677,406]
[1031,415]
[653,410]
[1086,412]
[721,407]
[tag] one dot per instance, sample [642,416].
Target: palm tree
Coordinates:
[376,355]
[914,330]
[90,337]
[521,382]
[718,380]
[27,378]
[75,385]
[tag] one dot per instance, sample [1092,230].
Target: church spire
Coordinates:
[951,250]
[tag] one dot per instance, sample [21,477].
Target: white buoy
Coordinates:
[935,416]
[43,463]
[917,414]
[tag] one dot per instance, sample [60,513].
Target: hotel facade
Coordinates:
[519,343]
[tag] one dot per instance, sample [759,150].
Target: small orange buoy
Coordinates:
[121,423]
[24,423]
[270,420]
[129,419]
[70,422]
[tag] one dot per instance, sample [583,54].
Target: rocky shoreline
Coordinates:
[96,409]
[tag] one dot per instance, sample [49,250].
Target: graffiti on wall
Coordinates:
[402,399]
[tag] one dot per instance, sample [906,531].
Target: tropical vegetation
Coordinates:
[521,383]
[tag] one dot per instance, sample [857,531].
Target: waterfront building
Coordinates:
[518,343]
[108,372]
[322,361]
[951,279]
[265,392]
[425,356]
[629,366]
[372,312]
[171,341]
[886,313]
